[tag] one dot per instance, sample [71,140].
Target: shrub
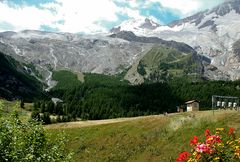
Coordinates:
[29,141]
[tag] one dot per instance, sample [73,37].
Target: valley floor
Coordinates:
[150,138]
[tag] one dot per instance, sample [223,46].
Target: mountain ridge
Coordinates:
[111,54]
[211,33]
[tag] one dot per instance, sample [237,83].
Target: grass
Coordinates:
[153,138]
[10,106]
[167,63]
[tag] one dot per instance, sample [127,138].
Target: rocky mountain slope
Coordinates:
[17,80]
[211,33]
[51,51]
[180,53]
[210,44]
[96,54]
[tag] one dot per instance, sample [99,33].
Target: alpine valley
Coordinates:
[204,46]
[140,92]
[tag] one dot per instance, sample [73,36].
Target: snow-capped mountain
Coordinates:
[137,25]
[212,33]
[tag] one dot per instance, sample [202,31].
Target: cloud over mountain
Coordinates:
[91,16]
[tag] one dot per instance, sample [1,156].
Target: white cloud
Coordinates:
[85,15]
[82,16]
[187,7]
[77,16]
[25,17]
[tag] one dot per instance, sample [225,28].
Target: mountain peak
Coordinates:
[149,24]
[227,7]
[136,24]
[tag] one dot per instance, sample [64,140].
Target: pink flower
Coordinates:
[203,148]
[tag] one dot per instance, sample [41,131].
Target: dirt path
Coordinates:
[174,116]
[80,124]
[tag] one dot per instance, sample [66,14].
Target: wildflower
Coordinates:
[213,139]
[194,141]
[237,153]
[216,158]
[183,157]
[198,157]
[219,129]
[231,131]
[207,132]
[214,148]
[192,160]
[201,148]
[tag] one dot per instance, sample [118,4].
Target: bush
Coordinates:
[29,141]
[35,115]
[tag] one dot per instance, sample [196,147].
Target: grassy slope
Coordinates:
[162,58]
[10,106]
[154,138]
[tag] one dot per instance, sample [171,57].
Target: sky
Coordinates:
[92,16]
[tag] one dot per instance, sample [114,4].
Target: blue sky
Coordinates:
[92,16]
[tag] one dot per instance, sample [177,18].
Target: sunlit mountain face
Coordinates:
[211,34]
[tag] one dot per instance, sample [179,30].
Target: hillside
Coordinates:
[164,63]
[211,33]
[17,80]
[112,54]
[151,138]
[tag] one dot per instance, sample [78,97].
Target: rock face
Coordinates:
[51,51]
[211,33]
[96,54]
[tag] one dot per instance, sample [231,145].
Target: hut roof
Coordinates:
[192,101]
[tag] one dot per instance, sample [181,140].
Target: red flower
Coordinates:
[207,132]
[231,131]
[183,157]
[213,139]
[194,141]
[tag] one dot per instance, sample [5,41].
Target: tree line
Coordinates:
[104,100]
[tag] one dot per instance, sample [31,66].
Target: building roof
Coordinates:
[192,101]
[56,100]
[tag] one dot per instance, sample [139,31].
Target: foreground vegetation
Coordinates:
[153,138]
[27,141]
[149,138]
